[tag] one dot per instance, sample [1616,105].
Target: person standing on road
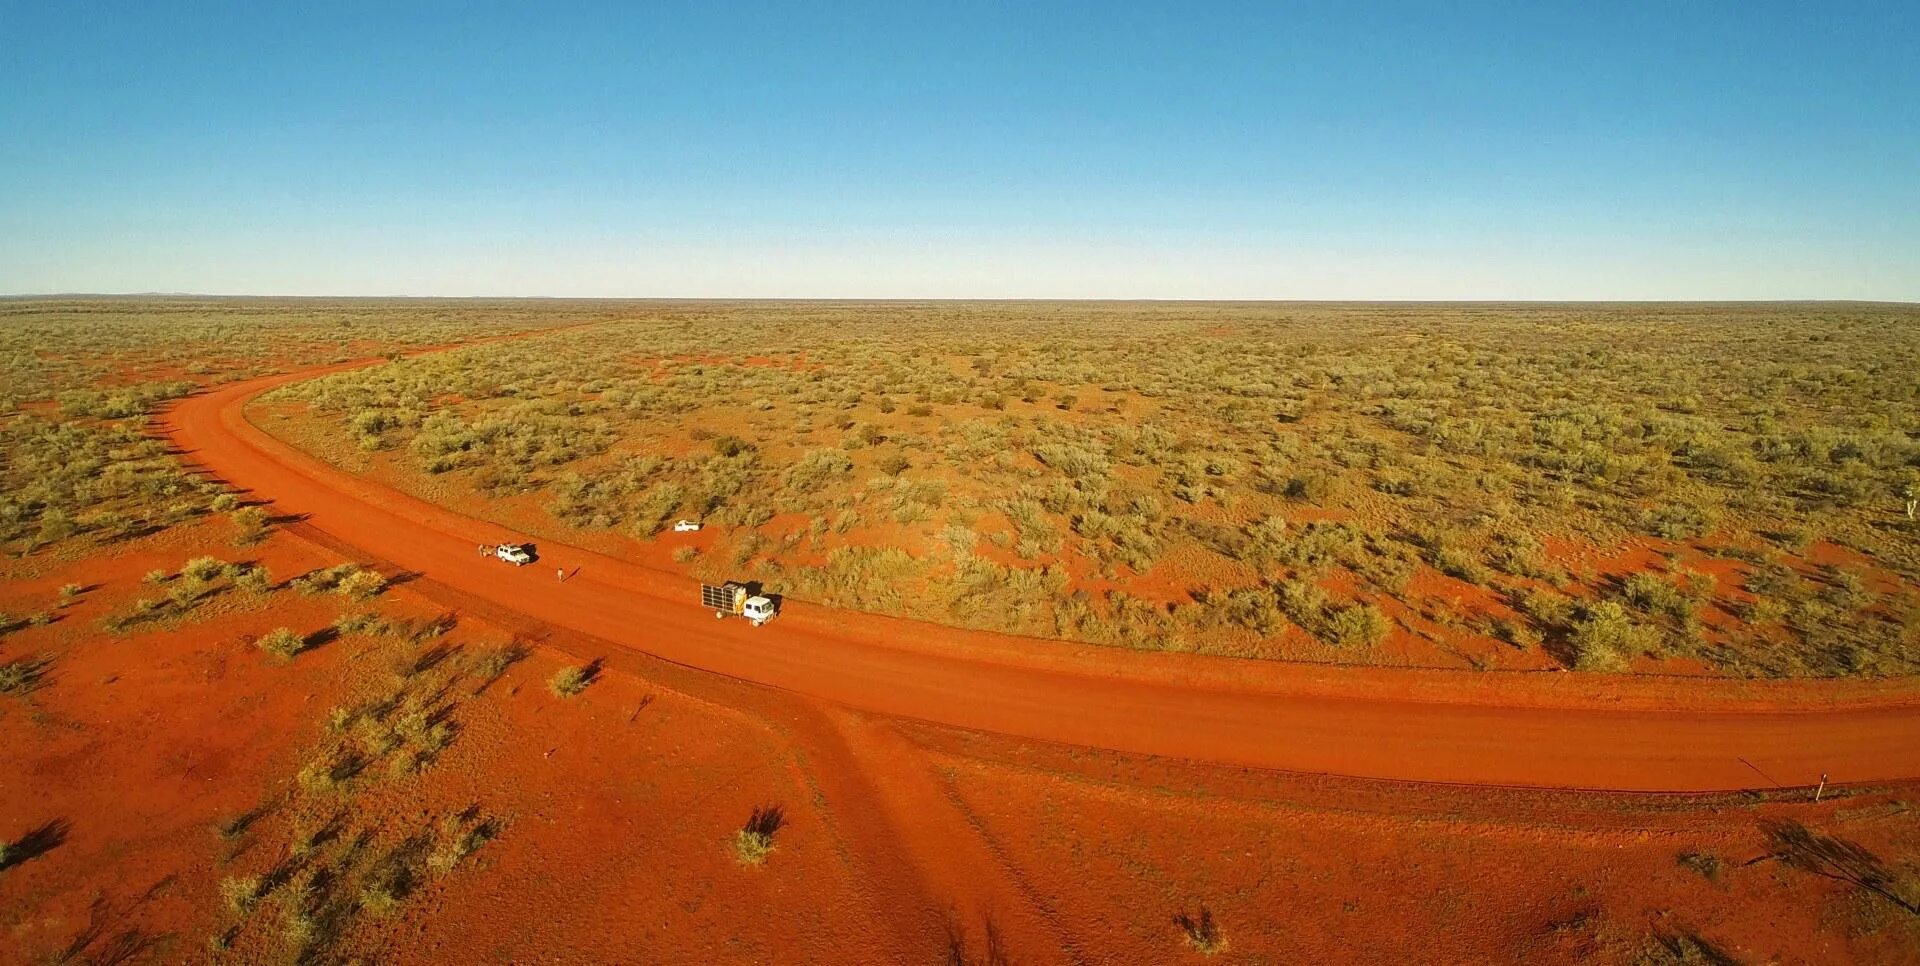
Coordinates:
[560,575]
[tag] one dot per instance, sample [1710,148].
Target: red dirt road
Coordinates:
[1545,730]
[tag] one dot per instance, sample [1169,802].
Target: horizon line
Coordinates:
[37,296]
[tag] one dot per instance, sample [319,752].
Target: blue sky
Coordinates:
[1274,150]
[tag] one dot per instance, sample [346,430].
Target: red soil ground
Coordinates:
[1559,730]
[947,793]
[904,840]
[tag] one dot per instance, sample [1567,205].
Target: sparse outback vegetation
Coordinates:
[80,377]
[754,840]
[1356,483]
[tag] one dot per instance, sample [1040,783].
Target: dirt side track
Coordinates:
[1541,730]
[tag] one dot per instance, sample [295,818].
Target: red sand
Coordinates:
[1555,730]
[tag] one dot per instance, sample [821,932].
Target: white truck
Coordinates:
[517,554]
[743,600]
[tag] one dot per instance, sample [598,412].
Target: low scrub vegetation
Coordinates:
[754,841]
[80,377]
[1159,476]
[180,594]
[572,679]
[1202,933]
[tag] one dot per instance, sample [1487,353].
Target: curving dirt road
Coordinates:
[1546,730]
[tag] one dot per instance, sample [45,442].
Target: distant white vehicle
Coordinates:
[514,553]
[686,526]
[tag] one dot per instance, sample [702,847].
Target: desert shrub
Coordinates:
[255,579]
[240,893]
[1521,555]
[457,836]
[1657,596]
[361,585]
[1461,564]
[249,524]
[754,840]
[1705,863]
[1306,605]
[329,770]
[569,681]
[1316,488]
[359,623]
[1548,608]
[281,642]
[1678,521]
[203,569]
[1255,608]
[1359,624]
[1605,638]
[730,446]
[1267,541]
[323,580]
[19,677]
[1201,932]
[816,468]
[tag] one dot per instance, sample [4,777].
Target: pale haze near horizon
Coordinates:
[1754,151]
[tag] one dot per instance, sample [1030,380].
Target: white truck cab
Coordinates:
[757,610]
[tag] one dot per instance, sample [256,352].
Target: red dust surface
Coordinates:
[949,796]
[1543,729]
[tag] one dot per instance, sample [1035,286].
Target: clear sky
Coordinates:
[1687,149]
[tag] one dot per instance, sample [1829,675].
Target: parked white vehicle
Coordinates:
[513,553]
[686,526]
[734,597]
[758,610]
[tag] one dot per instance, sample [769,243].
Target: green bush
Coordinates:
[281,642]
[754,841]
[1605,638]
[569,681]
[361,585]
[1359,624]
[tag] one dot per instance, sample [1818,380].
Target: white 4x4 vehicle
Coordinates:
[758,610]
[686,526]
[513,553]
